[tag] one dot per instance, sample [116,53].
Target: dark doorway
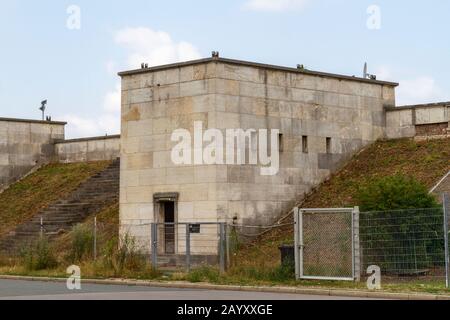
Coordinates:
[169,227]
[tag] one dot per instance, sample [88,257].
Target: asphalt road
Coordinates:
[37,290]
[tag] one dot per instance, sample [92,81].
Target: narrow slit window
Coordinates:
[280,142]
[328,145]
[305,144]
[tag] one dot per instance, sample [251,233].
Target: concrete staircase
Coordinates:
[91,196]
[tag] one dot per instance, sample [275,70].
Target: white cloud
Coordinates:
[384,73]
[275,5]
[107,123]
[153,47]
[421,89]
[111,101]
[111,67]
[80,127]
[142,45]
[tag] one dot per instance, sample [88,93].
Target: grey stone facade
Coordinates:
[88,149]
[335,115]
[421,121]
[25,144]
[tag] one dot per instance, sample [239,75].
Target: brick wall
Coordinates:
[434,129]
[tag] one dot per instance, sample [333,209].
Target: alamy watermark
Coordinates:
[74,280]
[74,19]
[374,19]
[235,147]
[374,279]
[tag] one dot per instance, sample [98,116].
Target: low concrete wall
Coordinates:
[426,120]
[25,144]
[88,149]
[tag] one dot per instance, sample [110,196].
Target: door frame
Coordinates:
[158,206]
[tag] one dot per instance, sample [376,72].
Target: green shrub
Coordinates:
[401,225]
[39,256]
[393,193]
[82,243]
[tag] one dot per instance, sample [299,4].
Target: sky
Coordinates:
[69,52]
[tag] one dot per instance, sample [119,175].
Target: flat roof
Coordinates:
[255,65]
[33,121]
[415,106]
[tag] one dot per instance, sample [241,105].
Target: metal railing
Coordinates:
[341,244]
[407,245]
[172,246]
[188,244]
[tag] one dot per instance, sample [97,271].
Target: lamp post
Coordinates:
[42,108]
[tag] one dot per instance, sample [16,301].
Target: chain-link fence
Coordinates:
[326,246]
[330,244]
[407,245]
[341,244]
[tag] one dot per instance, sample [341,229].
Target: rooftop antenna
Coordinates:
[42,108]
[215,54]
[367,75]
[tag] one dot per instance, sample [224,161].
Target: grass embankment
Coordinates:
[426,161]
[113,258]
[257,263]
[22,200]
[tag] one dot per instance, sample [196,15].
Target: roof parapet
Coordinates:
[256,65]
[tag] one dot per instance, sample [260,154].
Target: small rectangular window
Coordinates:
[305,144]
[328,145]
[280,142]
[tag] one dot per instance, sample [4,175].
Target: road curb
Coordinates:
[207,286]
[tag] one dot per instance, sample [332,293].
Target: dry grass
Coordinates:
[26,198]
[425,161]
[107,229]
[256,262]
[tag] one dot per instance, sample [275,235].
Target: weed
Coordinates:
[204,274]
[82,242]
[39,256]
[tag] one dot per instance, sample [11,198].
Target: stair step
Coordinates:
[62,215]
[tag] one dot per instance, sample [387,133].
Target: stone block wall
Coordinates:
[422,121]
[226,94]
[25,144]
[88,149]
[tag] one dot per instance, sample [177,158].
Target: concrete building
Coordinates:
[320,119]
[88,149]
[28,144]
[25,144]
[323,119]
[423,121]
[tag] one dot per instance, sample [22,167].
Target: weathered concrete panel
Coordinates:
[88,149]
[25,144]
[409,121]
[226,96]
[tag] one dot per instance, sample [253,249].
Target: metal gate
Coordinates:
[327,244]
